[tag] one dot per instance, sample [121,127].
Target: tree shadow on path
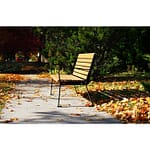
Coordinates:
[72,118]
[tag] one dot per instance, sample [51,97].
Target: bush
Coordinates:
[10,67]
[146,86]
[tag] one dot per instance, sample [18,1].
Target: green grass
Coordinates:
[146,86]
[136,75]
[5,90]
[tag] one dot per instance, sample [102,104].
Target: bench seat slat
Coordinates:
[65,78]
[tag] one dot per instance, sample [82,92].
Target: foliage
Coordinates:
[7,87]
[10,67]
[14,39]
[4,93]
[17,67]
[146,86]
[147,57]
[5,90]
[117,48]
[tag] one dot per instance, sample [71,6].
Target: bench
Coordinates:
[79,76]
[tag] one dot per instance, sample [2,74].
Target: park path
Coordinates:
[32,104]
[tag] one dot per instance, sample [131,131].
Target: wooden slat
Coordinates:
[88,55]
[69,78]
[83,64]
[84,60]
[84,72]
[82,67]
[80,75]
[65,78]
[55,77]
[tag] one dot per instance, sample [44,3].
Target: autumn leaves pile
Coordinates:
[127,101]
[132,110]
[7,87]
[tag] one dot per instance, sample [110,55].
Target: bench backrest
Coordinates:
[84,65]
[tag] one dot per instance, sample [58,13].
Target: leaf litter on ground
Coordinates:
[7,88]
[125,100]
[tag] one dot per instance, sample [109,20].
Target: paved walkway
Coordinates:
[32,104]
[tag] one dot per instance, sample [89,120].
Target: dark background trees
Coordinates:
[14,39]
[118,48]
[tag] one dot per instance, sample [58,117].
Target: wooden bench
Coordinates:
[80,75]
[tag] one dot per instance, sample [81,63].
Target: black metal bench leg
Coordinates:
[59,90]
[89,95]
[51,88]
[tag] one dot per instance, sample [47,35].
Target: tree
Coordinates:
[13,39]
[116,47]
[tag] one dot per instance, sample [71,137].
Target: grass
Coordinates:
[5,90]
[135,75]
[146,86]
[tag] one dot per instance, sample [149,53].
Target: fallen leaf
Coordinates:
[29,100]
[37,91]
[7,121]
[89,104]
[8,101]
[76,115]
[11,120]
[37,94]
[18,96]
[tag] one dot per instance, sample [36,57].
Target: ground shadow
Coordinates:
[34,81]
[100,97]
[64,118]
[107,95]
